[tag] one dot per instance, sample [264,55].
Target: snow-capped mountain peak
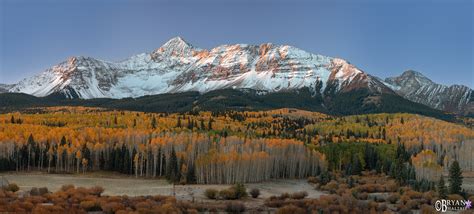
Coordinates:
[416,87]
[175,47]
[178,66]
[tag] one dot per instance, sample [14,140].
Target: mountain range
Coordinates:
[179,67]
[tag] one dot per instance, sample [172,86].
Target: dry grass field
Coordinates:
[116,184]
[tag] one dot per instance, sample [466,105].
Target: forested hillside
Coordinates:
[348,103]
[230,146]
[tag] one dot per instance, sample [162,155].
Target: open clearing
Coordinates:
[116,184]
[468,181]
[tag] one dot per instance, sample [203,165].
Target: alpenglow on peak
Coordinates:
[178,66]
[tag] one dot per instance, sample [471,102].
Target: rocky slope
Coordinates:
[5,87]
[416,87]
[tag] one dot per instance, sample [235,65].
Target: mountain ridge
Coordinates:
[178,66]
[418,88]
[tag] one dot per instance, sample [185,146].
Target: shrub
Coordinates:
[160,198]
[240,190]
[427,209]
[404,209]
[362,196]
[433,201]
[313,180]
[234,192]
[299,195]
[211,193]
[380,188]
[371,188]
[331,186]
[382,207]
[43,190]
[90,206]
[372,204]
[428,196]
[379,199]
[254,193]
[471,198]
[412,204]
[67,187]
[284,196]
[455,197]
[144,205]
[97,190]
[12,187]
[291,209]
[192,211]
[228,194]
[391,186]
[167,208]
[404,198]
[274,202]
[234,207]
[413,194]
[112,207]
[342,190]
[34,191]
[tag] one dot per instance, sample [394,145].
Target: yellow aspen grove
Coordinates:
[220,147]
[426,166]
[256,160]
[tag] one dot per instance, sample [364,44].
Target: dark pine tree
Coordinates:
[126,160]
[455,178]
[63,141]
[153,123]
[356,166]
[172,170]
[178,123]
[442,189]
[202,127]
[209,125]
[191,175]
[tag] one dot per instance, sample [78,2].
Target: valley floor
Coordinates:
[118,184]
[468,181]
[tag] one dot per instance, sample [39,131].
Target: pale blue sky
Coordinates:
[382,37]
